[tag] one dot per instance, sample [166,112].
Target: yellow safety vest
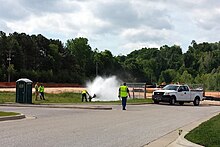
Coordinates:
[123,91]
[84,92]
[41,89]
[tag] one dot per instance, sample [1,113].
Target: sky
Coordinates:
[120,26]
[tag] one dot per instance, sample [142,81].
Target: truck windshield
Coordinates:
[170,87]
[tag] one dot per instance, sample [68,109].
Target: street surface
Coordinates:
[135,127]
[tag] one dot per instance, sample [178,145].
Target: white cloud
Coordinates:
[4,26]
[119,26]
[11,10]
[145,34]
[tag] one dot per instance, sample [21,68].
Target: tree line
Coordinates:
[49,60]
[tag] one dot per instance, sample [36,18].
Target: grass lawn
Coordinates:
[206,134]
[7,97]
[7,113]
[67,98]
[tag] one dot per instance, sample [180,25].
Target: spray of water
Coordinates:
[105,89]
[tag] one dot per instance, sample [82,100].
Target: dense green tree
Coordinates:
[133,71]
[172,56]
[3,42]
[169,76]
[106,63]
[186,78]
[82,55]
[41,59]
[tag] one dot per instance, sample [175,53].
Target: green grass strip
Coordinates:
[66,98]
[7,97]
[206,134]
[8,113]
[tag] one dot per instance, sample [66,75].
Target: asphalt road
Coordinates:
[135,127]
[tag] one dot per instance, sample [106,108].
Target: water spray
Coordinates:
[104,89]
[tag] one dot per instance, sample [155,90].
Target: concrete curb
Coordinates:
[182,142]
[210,103]
[59,106]
[5,118]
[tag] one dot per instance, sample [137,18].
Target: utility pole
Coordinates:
[9,64]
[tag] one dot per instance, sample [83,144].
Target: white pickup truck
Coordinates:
[178,93]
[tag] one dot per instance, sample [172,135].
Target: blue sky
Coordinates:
[119,26]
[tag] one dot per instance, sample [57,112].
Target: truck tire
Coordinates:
[181,103]
[156,102]
[172,100]
[196,101]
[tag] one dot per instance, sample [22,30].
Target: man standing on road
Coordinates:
[36,91]
[123,93]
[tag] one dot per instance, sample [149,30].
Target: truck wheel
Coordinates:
[196,101]
[181,103]
[156,102]
[172,100]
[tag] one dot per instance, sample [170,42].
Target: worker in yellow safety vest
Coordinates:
[123,94]
[84,92]
[41,91]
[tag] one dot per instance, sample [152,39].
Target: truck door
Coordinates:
[186,94]
[180,94]
[183,93]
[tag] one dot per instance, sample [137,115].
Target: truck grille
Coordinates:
[158,93]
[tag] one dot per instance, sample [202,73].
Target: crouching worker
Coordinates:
[84,96]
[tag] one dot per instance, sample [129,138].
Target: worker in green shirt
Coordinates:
[41,91]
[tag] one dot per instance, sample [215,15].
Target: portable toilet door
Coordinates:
[24,91]
[28,93]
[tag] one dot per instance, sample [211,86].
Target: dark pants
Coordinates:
[84,96]
[42,95]
[124,101]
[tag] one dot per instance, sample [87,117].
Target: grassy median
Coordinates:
[65,98]
[8,113]
[206,134]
